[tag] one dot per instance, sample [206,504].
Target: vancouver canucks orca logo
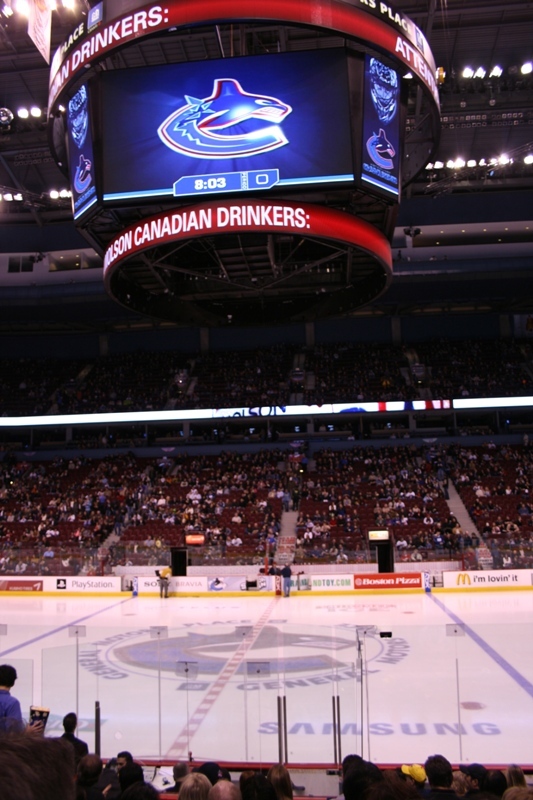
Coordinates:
[291,649]
[381,150]
[303,652]
[82,177]
[230,123]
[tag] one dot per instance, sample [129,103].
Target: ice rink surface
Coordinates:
[207,675]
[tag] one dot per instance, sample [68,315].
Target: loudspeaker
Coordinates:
[385,557]
[179,561]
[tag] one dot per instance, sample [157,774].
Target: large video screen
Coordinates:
[231,125]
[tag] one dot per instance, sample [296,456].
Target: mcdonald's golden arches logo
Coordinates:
[463,579]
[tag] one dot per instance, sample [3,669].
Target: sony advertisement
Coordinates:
[381,146]
[80,153]
[232,125]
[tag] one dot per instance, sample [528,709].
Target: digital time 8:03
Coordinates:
[210,183]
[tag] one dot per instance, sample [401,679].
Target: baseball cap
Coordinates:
[476,771]
[211,770]
[415,771]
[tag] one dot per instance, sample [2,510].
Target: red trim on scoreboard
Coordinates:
[82,50]
[219,217]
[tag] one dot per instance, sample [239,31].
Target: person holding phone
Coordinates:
[10,713]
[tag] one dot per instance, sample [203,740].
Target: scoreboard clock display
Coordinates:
[226,182]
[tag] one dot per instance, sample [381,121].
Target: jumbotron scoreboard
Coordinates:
[323,126]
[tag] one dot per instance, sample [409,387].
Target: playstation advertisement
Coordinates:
[233,125]
[80,153]
[381,151]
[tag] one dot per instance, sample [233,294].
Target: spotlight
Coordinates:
[468,72]
[35,111]
[496,72]
[480,73]
[23,113]
[528,159]
[23,7]
[526,68]
[6,117]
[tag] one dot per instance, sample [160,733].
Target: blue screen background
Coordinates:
[136,102]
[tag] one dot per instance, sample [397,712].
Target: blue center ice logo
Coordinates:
[230,123]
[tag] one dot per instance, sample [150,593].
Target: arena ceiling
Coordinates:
[459,232]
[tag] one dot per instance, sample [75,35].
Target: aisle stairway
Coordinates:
[458,509]
[286,543]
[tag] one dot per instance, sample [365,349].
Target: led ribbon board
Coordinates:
[375,24]
[221,217]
